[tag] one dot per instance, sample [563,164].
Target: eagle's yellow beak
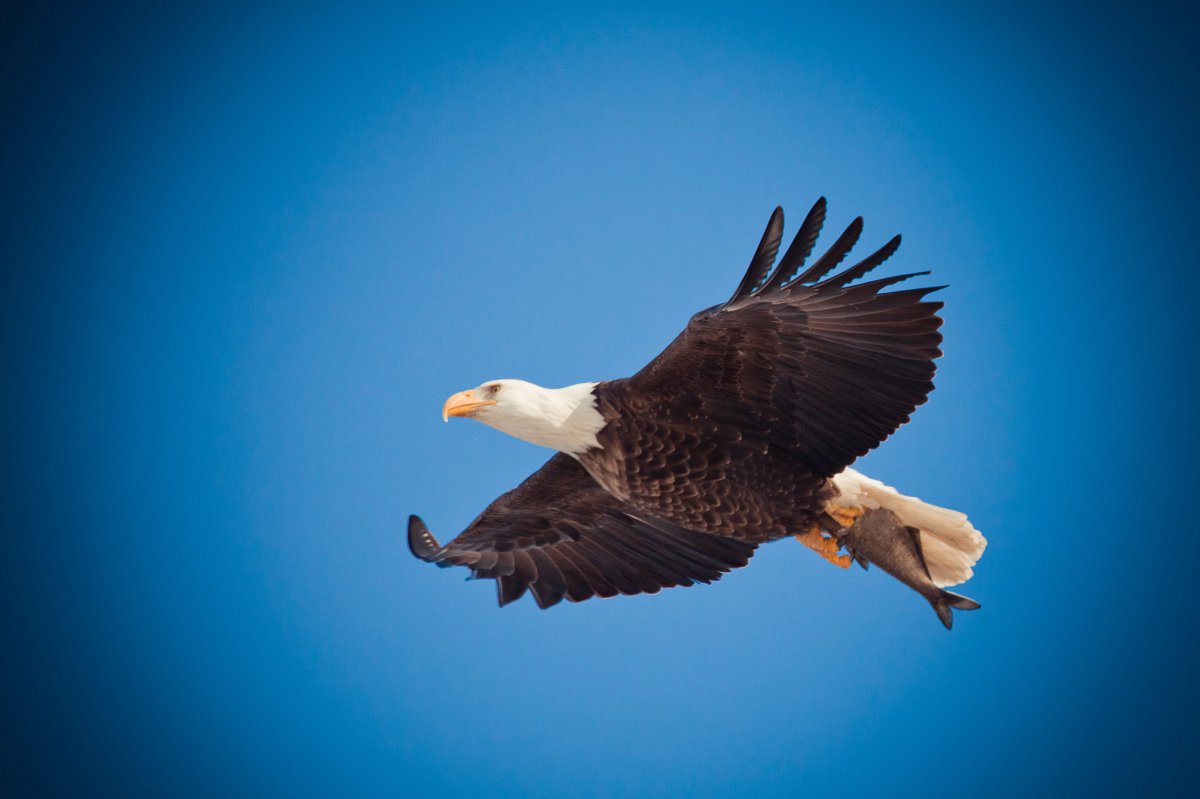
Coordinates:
[464,403]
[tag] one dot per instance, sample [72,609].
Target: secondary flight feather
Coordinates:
[740,432]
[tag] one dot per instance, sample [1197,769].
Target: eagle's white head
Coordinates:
[564,419]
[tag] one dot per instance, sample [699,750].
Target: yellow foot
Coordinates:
[824,546]
[846,517]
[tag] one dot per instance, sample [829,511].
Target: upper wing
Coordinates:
[810,364]
[560,535]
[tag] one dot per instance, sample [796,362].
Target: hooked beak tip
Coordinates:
[464,403]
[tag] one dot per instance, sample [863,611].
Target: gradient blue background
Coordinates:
[247,254]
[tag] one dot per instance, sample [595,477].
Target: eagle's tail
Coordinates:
[949,543]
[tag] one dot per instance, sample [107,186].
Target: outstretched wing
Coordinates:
[560,535]
[818,366]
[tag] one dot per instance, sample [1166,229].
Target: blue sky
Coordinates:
[250,252]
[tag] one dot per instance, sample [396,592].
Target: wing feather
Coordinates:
[801,247]
[862,267]
[786,385]
[764,256]
[559,535]
[834,256]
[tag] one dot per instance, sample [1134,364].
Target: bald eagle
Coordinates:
[741,432]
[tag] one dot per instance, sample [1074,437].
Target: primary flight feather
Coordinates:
[740,432]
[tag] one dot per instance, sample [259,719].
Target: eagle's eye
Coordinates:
[494,388]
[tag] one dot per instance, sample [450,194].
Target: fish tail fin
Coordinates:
[946,600]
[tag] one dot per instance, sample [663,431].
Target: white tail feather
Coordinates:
[950,544]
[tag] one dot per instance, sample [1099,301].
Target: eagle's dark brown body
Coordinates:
[683,466]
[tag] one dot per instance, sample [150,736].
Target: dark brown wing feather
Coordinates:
[561,535]
[737,425]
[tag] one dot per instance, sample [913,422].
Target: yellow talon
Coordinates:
[824,546]
[846,517]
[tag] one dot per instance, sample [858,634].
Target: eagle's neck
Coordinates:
[565,419]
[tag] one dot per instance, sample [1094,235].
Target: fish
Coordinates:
[878,537]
